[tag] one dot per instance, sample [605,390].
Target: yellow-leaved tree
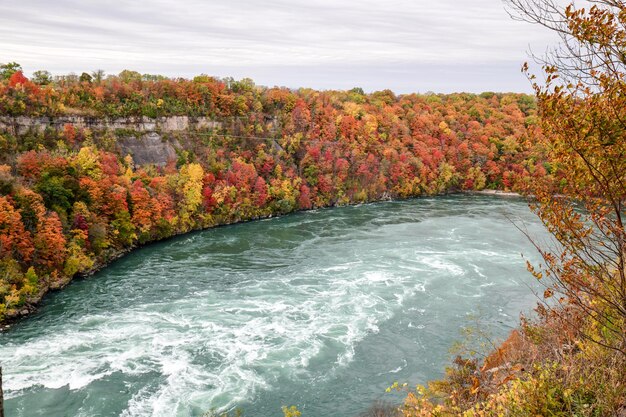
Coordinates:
[190,183]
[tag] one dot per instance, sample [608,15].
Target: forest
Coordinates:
[72,200]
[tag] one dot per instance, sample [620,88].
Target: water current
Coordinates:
[322,309]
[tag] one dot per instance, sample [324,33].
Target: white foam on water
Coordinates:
[399,368]
[439,262]
[343,267]
[477,270]
[377,276]
[257,339]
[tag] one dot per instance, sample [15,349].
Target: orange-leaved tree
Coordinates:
[582,104]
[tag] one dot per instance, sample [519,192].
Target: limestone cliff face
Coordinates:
[149,148]
[21,125]
[148,141]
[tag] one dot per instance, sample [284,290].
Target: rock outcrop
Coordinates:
[147,140]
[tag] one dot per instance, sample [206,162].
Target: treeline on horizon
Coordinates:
[70,201]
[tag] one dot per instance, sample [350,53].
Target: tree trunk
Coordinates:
[1,397]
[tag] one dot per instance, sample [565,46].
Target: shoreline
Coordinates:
[497,193]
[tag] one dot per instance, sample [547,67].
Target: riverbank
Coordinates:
[497,193]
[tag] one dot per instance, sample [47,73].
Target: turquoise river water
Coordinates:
[322,309]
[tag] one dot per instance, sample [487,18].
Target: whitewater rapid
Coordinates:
[323,309]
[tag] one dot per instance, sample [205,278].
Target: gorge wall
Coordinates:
[146,140]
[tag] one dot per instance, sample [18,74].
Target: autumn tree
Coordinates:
[49,242]
[15,241]
[582,104]
[190,186]
[143,207]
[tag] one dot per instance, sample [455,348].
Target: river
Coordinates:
[322,309]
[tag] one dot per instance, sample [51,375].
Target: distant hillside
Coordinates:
[94,167]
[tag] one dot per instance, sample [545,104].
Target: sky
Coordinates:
[403,45]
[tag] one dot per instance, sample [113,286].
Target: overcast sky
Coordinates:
[404,45]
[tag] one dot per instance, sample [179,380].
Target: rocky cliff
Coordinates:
[147,140]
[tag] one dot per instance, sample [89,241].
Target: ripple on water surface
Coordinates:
[323,309]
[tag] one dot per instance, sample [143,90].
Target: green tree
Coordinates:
[6,70]
[97,76]
[42,77]
[129,76]
[153,77]
[55,192]
[85,78]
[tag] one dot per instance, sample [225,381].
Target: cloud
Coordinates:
[275,40]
